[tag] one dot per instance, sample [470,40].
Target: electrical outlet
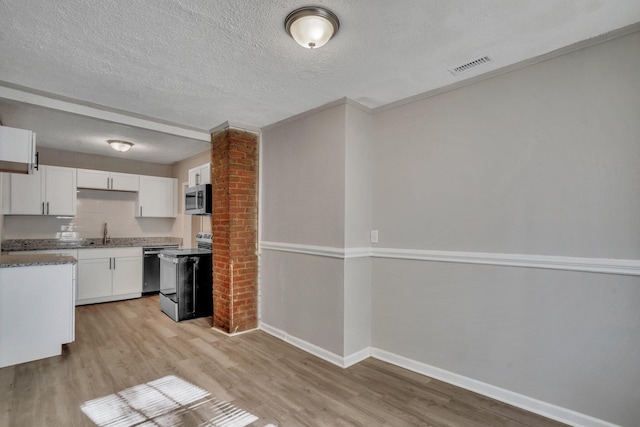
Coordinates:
[374,236]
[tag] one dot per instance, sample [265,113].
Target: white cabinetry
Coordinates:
[17,150]
[48,191]
[158,197]
[36,312]
[109,274]
[103,180]
[200,175]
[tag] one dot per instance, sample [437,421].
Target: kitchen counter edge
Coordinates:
[17,245]
[30,260]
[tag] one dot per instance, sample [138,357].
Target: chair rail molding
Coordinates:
[629,267]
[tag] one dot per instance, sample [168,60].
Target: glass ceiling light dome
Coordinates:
[119,145]
[311,26]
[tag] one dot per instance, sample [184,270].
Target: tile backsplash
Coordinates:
[94,208]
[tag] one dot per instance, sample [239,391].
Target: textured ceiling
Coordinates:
[198,63]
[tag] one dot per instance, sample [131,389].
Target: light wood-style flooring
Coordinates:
[122,344]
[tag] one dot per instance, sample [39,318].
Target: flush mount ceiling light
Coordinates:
[119,145]
[311,26]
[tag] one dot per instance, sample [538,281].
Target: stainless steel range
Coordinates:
[186,285]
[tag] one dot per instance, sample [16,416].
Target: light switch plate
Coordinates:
[374,236]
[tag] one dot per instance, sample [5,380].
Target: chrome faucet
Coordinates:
[105,237]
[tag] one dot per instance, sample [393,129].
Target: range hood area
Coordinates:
[17,150]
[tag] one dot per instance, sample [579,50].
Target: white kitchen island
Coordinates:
[37,306]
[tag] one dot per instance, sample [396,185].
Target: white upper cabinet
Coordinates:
[88,178]
[158,197]
[51,190]
[17,150]
[125,181]
[103,180]
[23,194]
[60,190]
[200,175]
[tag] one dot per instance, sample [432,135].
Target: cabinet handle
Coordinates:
[37,167]
[42,208]
[114,263]
[47,208]
[197,179]
[110,263]
[140,210]
[112,183]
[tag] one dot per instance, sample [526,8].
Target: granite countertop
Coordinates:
[30,260]
[15,245]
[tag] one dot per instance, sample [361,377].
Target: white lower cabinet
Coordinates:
[109,274]
[94,279]
[36,312]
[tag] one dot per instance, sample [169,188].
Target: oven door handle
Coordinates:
[196,261]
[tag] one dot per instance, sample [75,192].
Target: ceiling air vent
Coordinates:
[470,65]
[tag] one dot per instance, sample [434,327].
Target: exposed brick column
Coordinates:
[234,159]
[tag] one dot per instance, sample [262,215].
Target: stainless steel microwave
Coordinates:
[197,200]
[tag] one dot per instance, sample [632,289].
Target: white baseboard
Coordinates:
[357,357]
[234,334]
[343,362]
[530,404]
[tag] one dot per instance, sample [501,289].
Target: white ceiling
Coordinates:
[199,63]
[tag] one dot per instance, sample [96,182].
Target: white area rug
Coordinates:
[167,402]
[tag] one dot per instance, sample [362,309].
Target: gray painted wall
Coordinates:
[358,191]
[316,191]
[357,226]
[543,160]
[303,296]
[303,180]
[303,202]
[357,305]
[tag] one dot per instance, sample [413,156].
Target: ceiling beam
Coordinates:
[15,93]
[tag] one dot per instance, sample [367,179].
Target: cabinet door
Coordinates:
[204,173]
[60,190]
[88,178]
[127,275]
[200,175]
[157,197]
[94,278]
[25,191]
[125,181]
[193,176]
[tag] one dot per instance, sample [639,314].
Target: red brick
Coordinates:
[234,160]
